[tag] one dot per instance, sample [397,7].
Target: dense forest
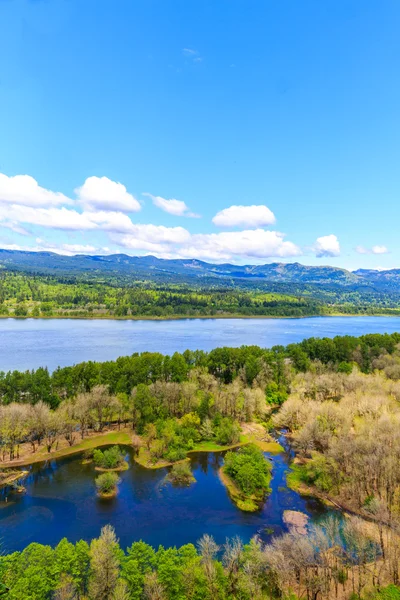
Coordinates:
[25,295]
[292,566]
[338,400]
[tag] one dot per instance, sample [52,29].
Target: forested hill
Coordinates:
[150,267]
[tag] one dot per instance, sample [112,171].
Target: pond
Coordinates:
[61,501]
[32,343]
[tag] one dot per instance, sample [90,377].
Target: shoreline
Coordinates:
[123,437]
[193,317]
[107,438]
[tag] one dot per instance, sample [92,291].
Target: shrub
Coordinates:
[112,458]
[175,454]
[227,432]
[106,483]
[181,474]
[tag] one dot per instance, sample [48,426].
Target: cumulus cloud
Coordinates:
[379,250]
[102,205]
[374,250]
[172,206]
[101,193]
[244,216]
[255,243]
[25,190]
[327,245]
[66,219]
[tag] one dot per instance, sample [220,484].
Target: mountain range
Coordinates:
[150,267]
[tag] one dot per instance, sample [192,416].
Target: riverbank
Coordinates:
[10,477]
[143,458]
[100,317]
[251,433]
[92,441]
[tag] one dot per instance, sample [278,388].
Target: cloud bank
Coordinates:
[102,214]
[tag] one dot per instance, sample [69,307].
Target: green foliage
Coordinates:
[322,472]
[106,483]
[275,394]
[249,469]
[140,370]
[391,592]
[111,458]
[227,431]
[181,474]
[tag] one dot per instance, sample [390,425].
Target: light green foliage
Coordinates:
[181,474]
[111,458]
[227,431]
[106,483]
[249,469]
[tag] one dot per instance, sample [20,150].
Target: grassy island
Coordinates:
[246,475]
[181,474]
[107,485]
[111,459]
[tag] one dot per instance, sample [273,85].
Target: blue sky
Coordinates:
[111,111]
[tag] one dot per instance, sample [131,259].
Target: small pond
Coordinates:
[60,501]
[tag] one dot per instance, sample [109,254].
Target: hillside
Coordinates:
[152,267]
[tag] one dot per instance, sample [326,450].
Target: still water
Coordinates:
[60,501]
[31,343]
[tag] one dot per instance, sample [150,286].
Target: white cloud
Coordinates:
[63,249]
[67,249]
[172,206]
[15,227]
[180,243]
[379,250]
[66,219]
[374,250]
[143,235]
[246,216]
[102,206]
[327,245]
[25,190]
[101,193]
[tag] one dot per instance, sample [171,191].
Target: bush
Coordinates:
[112,458]
[175,454]
[106,483]
[181,474]
[227,432]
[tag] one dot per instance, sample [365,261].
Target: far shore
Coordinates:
[191,317]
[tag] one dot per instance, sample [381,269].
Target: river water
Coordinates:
[60,501]
[32,343]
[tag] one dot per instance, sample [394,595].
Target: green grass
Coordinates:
[105,439]
[211,446]
[144,459]
[295,479]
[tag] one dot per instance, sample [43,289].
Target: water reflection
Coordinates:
[61,501]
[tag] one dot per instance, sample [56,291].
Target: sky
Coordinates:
[245,131]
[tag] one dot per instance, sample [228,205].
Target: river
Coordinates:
[60,501]
[32,343]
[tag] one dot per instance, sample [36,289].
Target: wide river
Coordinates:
[32,343]
[60,501]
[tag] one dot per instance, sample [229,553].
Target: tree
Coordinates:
[150,434]
[104,565]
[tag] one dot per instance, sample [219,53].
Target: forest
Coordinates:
[337,400]
[28,295]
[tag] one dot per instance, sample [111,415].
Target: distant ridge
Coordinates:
[150,267]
